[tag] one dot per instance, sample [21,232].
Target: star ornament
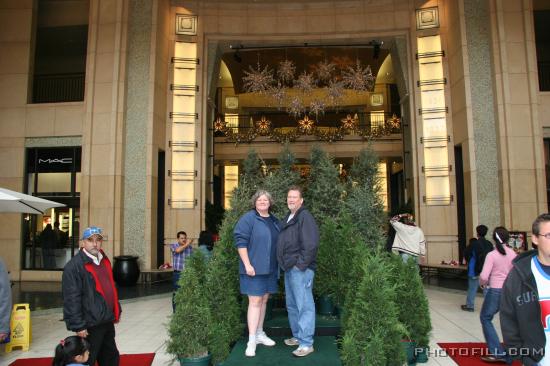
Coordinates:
[306,125]
[219,125]
[349,123]
[394,122]
[263,126]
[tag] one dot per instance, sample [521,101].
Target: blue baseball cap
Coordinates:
[92,230]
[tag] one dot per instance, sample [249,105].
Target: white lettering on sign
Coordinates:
[55,161]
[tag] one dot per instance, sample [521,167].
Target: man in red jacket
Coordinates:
[90,299]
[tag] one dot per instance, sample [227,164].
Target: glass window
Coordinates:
[51,239]
[60,49]
[542,42]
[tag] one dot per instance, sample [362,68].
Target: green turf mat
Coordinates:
[326,354]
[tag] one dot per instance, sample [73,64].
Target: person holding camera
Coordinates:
[409,239]
[180,251]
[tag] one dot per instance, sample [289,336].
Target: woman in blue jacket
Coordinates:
[256,240]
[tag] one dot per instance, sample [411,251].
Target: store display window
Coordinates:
[50,240]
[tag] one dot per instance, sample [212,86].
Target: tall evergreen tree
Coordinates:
[281,179]
[250,179]
[372,332]
[409,290]
[324,191]
[363,202]
[188,328]
[222,277]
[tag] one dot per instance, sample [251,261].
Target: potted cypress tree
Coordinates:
[327,274]
[278,182]
[409,290]
[222,292]
[188,329]
[363,201]
[372,332]
[222,276]
[324,190]
[322,198]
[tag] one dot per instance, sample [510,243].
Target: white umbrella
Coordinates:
[11,201]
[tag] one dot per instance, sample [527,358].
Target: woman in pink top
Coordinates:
[498,264]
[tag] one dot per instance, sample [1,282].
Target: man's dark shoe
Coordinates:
[465,308]
[492,359]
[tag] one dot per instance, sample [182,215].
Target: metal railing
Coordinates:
[58,88]
[280,126]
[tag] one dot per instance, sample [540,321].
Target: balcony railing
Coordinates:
[281,127]
[57,88]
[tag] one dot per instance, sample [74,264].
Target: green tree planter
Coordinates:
[326,305]
[195,361]
[409,348]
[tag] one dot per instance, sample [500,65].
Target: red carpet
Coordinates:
[140,359]
[468,354]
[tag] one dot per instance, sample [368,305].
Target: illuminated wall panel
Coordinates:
[231,181]
[433,113]
[383,183]
[184,117]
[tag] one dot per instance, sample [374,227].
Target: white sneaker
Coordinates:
[250,349]
[303,351]
[292,342]
[262,338]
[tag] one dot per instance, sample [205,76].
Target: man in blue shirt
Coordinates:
[180,251]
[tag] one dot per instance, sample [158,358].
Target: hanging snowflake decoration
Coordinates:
[286,71]
[350,123]
[263,126]
[305,82]
[278,94]
[296,107]
[306,125]
[358,78]
[335,92]
[219,125]
[317,107]
[325,70]
[258,80]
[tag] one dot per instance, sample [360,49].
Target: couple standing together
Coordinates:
[266,244]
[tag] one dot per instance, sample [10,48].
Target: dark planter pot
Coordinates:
[326,306]
[422,355]
[195,361]
[409,348]
[126,270]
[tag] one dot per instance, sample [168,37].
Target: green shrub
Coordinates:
[409,290]
[372,332]
[279,181]
[188,328]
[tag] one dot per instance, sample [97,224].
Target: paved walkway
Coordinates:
[143,327]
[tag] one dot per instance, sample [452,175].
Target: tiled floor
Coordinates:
[143,326]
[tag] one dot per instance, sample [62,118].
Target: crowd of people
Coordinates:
[516,285]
